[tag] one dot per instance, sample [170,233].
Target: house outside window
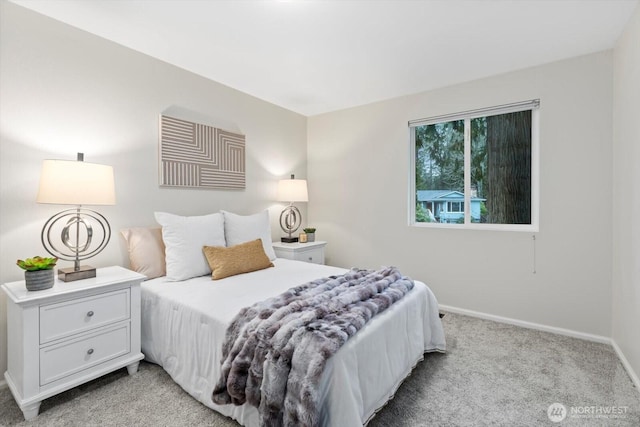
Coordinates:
[447,207]
[476,169]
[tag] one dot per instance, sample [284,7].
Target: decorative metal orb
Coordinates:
[82,234]
[290,219]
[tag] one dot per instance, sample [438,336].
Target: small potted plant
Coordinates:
[38,273]
[311,234]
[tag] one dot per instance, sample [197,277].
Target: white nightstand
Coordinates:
[308,252]
[72,333]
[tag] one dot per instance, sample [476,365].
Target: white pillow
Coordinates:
[184,237]
[240,229]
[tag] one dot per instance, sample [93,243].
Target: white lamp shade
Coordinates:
[292,190]
[67,182]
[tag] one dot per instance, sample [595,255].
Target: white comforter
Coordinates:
[184,324]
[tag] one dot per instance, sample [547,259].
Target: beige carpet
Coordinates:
[492,375]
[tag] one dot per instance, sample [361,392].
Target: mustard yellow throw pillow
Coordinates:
[243,258]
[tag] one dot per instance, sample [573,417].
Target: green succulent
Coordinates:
[309,230]
[37,263]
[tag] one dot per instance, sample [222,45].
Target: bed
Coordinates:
[185,314]
[184,323]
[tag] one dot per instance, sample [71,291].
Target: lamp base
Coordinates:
[289,239]
[70,274]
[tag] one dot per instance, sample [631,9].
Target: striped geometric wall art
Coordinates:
[201,156]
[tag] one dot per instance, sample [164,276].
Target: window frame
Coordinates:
[467,116]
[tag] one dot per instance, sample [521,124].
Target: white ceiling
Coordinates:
[315,56]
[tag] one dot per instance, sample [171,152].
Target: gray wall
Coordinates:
[358,167]
[64,90]
[626,194]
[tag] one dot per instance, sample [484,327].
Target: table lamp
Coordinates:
[291,190]
[79,183]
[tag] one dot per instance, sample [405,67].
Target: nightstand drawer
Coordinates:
[315,256]
[74,316]
[67,358]
[308,252]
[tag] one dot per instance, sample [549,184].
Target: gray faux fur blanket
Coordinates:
[275,351]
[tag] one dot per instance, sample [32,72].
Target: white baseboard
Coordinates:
[561,331]
[627,365]
[528,325]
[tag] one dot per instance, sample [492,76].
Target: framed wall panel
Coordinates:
[200,156]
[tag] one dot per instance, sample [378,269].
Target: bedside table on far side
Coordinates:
[308,252]
[72,333]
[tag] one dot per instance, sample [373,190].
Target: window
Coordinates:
[456,206]
[476,169]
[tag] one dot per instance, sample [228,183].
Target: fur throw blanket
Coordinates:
[275,351]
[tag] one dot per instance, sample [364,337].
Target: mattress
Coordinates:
[184,324]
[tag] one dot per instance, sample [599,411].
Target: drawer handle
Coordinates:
[310,258]
[89,314]
[90,351]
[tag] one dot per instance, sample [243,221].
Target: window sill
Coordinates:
[527,228]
